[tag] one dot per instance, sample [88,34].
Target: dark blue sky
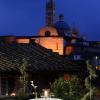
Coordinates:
[26,17]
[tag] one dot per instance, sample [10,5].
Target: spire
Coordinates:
[50,12]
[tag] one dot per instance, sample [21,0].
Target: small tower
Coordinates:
[50,12]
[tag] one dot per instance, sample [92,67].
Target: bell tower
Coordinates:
[48,35]
[50,12]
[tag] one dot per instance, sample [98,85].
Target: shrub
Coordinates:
[21,95]
[68,89]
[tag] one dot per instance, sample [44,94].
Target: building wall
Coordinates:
[47,37]
[56,44]
[53,31]
[21,40]
[51,40]
[10,39]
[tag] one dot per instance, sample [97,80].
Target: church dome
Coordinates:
[48,31]
[61,26]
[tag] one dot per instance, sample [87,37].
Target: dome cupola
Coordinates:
[61,26]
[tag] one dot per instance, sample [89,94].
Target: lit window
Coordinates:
[69,50]
[77,57]
[98,67]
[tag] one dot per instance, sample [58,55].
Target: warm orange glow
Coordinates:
[52,30]
[46,93]
[13,94]
[54,43]
[22,40]
[97,67]
[69,50]
[66,76]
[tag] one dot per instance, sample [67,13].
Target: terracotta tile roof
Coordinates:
[39,58]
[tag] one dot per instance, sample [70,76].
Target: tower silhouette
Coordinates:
[50,12]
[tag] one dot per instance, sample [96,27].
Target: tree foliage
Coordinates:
[22,95]
[68,89]
[89,83]
[24,75]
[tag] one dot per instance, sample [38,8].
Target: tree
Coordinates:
[89,83]
[22,95]
[68,89]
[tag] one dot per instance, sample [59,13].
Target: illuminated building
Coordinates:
[51,36]
[56,50]
[43,66]
[59,37]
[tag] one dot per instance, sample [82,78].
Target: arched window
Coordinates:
[47,33]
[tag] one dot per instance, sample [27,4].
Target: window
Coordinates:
[47,33]
[57,46]
[77,57]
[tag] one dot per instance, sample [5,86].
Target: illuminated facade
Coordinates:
[56,36]
[59,37]
[50,39]
[52,35]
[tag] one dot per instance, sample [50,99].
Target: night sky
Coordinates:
[26,17]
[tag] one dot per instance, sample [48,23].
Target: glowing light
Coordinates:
[22,40]
[31,83]
[56,44]
[69,50]
[6,93]
[98,67]
[13,94]
[96,57]
[46,93]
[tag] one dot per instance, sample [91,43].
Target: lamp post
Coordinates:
[32,84]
